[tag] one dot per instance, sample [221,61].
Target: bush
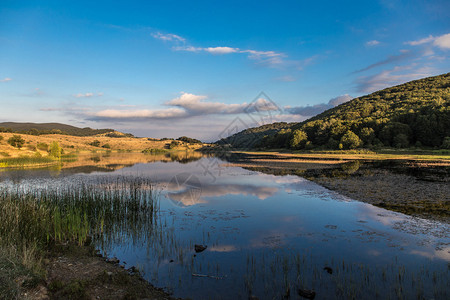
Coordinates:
[350,140]
[106,146]
[299,139]
[16,141]
[1,138]
[55,150]
[95,143]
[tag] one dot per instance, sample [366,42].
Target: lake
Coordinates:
[266,236]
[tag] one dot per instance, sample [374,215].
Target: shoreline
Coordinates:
[413,187]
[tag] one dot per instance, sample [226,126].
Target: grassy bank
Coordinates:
[34,222]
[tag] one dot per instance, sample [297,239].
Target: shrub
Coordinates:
[106,146]
[1,138]
[16,141]
[55,150]
[95,143]
[299,139]
[350,140]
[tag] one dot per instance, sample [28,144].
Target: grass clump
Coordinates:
[35,220]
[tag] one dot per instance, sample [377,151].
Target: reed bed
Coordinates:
[102,209]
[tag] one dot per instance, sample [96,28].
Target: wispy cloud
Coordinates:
[88,95]
[405,54]
[6,79]
[313,110]
[394,76]
[372,43]
[443,41]
[269,58]
[168,37]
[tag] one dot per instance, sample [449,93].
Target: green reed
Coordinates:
[100,208]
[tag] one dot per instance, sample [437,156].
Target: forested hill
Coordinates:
[50,128]
[416,113]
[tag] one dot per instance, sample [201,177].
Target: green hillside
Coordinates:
[416,113]
[50,128]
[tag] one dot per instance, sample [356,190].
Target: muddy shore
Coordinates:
[79,272]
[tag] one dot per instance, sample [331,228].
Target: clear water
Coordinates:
[270,236]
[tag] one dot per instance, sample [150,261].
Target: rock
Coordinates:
[200,248]
[308,294]
[329,270]
[113,260]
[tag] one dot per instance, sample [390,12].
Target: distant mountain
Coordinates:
[50,128]
[416,113]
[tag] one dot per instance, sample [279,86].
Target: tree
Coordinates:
[299,139]
[401,141]
[95,143]
[446,143]
[16,141]
[350,140]
[55,150]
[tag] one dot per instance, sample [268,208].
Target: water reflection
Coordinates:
[270,235]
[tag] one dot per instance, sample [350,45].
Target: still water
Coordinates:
[269,236]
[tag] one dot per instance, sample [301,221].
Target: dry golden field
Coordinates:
[80,144]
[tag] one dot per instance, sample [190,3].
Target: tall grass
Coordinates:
[33,219]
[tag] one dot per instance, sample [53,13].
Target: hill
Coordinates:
[50,128]
[416,113]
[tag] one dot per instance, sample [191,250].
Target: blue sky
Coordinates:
[197,68]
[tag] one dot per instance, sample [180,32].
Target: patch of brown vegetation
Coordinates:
[75,272]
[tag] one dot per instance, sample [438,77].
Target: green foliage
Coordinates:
[173,144]
[189,140]
[106,146]
[1,138]
[50,128]
[446,143]
[350,140]
[16,141]
[299,139]
[154,151]
[55,150]
[95,143]
[414,113]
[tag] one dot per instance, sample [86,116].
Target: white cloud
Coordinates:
[372,43]
[195,105]
[88,95]
[185,106]
[6,79]
[139,114]
[270,58]
[168,37]
[221,50]
[442,41]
